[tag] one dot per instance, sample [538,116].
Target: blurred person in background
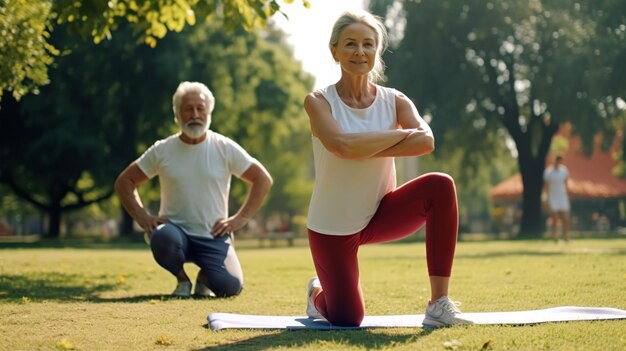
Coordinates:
[555,182]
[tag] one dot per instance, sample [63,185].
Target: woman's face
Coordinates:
[356,49]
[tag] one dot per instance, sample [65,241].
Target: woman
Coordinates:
[555,182]
[358,128]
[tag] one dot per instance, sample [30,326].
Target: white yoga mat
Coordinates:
[219,321]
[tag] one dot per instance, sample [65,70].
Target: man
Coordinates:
[194,169]
[555,180]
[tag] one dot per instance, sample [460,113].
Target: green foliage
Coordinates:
[487,58]
[13,211]
[479,68]
[25,53]
[77,140]
[259,90]
[473,183]
[560,145]
[153,20]
[26,27]
[95,119]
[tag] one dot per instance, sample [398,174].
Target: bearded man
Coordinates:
[194,168]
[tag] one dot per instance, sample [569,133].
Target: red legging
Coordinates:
[429,199]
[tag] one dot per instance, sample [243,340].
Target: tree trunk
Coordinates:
[533,144]
[532,165]
[54,226]
[532,223]
[128,151]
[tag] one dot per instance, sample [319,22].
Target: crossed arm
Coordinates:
[413,137]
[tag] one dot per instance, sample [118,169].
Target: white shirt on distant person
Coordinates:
[556,186]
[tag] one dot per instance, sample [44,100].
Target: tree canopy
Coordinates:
[25,52]
[27,25]
[92,120]
[479,68]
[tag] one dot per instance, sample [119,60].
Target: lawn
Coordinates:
[72,296]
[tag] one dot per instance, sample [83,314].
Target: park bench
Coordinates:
[273,237]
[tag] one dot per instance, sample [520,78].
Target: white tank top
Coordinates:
[347,193]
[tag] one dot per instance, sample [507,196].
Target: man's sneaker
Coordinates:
[202,290]
[443,312]
[311,311]
[183,289]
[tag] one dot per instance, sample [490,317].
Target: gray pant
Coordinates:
[217,258]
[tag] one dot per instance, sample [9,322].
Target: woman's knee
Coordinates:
[345,318]
[346,308]
[443,178]
[442,182]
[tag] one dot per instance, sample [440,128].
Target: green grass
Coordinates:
[114,297]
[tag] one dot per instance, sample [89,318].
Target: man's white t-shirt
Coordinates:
[555,179]
[195,179]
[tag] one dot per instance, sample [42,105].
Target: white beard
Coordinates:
[195,128]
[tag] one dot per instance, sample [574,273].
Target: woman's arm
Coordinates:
[421,140]
[347,145]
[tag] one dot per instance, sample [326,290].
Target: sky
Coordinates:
[308,31]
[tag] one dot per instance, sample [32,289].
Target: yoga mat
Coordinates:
[218,321]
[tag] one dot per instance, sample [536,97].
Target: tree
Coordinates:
[92,120]
[259,89]
[26,54]
[63,147]
[476,67]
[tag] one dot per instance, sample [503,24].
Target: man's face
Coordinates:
[194,118]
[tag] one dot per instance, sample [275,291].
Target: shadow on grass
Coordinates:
[144,298]
[49,286]
[66,287]
[363,338]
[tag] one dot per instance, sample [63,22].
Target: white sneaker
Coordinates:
[202,290]
[443,312]
[311,311]
[183,289]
